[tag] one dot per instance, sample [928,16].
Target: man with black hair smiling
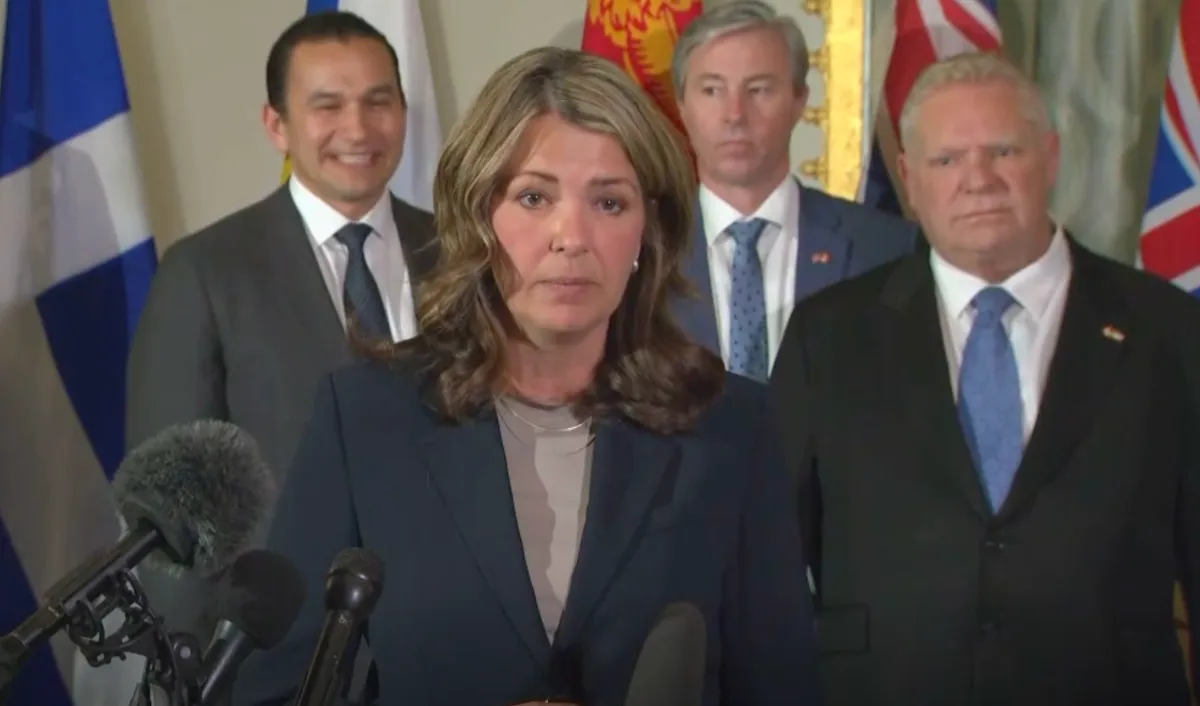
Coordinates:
[245,316]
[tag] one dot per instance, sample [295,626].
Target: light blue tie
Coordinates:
[989,396]
[747,304]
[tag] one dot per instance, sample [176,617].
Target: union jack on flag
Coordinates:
[926,31]
[1170,244]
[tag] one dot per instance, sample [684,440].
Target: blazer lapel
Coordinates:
[633,471]
[417,240]
[823,257]
[468,467]
[293,275]
[1091,344]
[921,368]
[695,314]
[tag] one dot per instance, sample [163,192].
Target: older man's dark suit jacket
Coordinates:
[1064,597]
[702,517]
[239,326]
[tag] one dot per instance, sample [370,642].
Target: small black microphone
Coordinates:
[352,588]
[261,595]
[670,668]
[190,499]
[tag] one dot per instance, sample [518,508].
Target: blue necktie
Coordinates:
[747,303]
[989,396]
[361,299]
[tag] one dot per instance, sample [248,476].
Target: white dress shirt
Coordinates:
[385,256]
[777,248]
[1032,324]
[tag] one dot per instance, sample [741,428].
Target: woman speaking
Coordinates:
[551,463]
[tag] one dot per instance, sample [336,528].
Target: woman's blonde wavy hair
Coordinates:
[650,373]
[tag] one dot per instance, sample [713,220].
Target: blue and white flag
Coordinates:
[76,258]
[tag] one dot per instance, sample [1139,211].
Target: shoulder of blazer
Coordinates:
[737,411]
[236,229]
[374,389]
[861,222]
[407,214]
[1147,296]
[417,234]
[891,284]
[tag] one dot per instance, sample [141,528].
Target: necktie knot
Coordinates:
[747,232]
[353,235]
[992,302]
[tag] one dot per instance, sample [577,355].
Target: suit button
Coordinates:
[995,545]
[987,628]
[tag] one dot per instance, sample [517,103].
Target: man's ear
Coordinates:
[274,123]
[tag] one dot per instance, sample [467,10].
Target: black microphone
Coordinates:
[190,498]
[352,588]
[261,595]
[670,669]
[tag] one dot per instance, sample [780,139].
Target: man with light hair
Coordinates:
[763,240]
[995,442]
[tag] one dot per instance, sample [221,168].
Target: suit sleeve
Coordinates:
[176,373]
[314,519]
[769,643]
[1187,529]
[1187,509]
[791,404]
[175,376]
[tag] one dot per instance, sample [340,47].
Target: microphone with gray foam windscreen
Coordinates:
[260,597]
[670,668]
[191,498]
[352,589]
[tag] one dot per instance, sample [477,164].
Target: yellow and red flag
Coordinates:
[640,37]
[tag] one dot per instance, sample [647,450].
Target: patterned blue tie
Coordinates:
[362,301]
[747,303]
[989,396]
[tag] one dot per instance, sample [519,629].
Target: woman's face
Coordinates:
[571,223]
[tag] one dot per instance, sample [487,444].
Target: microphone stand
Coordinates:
[173,671]
[172,659]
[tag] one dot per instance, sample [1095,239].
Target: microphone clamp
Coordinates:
[172,659]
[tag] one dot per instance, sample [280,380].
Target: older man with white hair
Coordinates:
[995,442]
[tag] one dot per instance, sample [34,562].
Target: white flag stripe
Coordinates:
[400,21]
[85,183]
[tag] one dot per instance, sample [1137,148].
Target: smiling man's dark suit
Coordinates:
[839,239]
[1064,595]
[240,326]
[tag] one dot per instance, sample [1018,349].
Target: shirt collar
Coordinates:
[324,221]
[781,207]
[1032,287]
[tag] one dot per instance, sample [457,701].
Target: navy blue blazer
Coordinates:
[705,517]
[839,239]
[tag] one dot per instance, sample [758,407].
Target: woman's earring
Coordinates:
[635,265]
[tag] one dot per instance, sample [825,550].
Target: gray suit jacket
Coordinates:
[239,326]
[839,240]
